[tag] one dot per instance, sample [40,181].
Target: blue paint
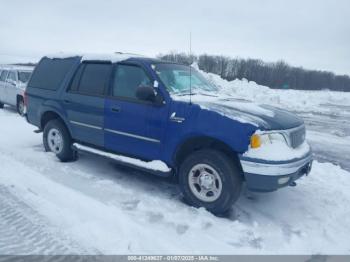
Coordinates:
[142,130]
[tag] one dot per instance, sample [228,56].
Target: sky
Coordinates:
[314,34]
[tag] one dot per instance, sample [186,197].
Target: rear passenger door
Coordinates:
[84,102]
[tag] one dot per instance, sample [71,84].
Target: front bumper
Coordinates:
[267,176]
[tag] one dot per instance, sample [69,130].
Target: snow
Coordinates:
[225,100]
[102,208]
[17,67]
[226,106]
[93,206]
[62,55]
[278,151]
[156,165]
[112,57]
[116,57]
[296,100]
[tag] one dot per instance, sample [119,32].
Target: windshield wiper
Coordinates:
[185,94]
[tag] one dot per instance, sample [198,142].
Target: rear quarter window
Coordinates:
[23,76]
[50,73]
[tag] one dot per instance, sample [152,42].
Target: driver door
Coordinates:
[132,126]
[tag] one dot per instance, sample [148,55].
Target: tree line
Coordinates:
[274,75]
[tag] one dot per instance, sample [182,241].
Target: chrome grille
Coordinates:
[297,136]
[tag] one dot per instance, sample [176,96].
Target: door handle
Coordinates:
[115,109]
[66,101]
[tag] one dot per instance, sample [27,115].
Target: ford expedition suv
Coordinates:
[165,118]
[13,81]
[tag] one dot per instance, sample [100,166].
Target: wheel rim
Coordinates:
[55,141]
[205,182]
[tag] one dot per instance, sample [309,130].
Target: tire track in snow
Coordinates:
[24,231]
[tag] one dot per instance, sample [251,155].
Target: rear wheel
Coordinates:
[210,179]
[1,105]
[57,139]
[20,106]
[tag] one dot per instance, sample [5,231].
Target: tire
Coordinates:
[56,139]
[1,105]
[224,176]
[20,106]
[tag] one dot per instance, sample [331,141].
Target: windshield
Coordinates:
[176,78]
[23,76]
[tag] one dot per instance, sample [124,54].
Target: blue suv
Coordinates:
[165,118]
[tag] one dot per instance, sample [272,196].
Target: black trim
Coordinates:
[83,64]
[128,99]
[265,183]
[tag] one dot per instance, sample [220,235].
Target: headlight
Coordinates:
[257,140]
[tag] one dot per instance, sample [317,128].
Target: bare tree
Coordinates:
[274,75]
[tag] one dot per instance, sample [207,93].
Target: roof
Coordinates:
[112,57]
[17,67]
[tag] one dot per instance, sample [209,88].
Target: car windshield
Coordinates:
[24,76]
[177,79]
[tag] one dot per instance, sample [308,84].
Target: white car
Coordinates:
[13,81]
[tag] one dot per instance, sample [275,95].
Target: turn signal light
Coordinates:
[255,141]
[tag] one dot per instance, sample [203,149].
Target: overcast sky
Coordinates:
[314,34]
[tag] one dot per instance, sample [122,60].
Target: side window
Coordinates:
[91,79]
[50,73]
[11,78]
[126,80]
[3,75]
[76,80]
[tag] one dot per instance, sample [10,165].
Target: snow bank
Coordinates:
[296,100]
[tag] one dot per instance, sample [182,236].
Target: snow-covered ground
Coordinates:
[93,206]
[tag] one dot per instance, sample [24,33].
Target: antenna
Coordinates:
[190,67]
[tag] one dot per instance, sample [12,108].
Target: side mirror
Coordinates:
[146,93]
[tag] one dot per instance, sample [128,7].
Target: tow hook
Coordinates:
[292,184]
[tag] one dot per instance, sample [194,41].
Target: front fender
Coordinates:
[204,123]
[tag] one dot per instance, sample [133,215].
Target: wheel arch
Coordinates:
[196,143]
[49,115]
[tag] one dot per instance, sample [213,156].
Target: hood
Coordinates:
[265,117]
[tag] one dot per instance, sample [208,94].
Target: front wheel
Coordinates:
[210,179]
[57,139]
[1,105]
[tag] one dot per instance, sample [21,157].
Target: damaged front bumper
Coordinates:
[267,176]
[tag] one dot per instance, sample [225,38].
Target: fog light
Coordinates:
[283,180]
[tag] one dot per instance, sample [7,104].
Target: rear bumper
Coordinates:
[266,176]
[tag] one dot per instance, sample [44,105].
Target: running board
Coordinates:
[156,166]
